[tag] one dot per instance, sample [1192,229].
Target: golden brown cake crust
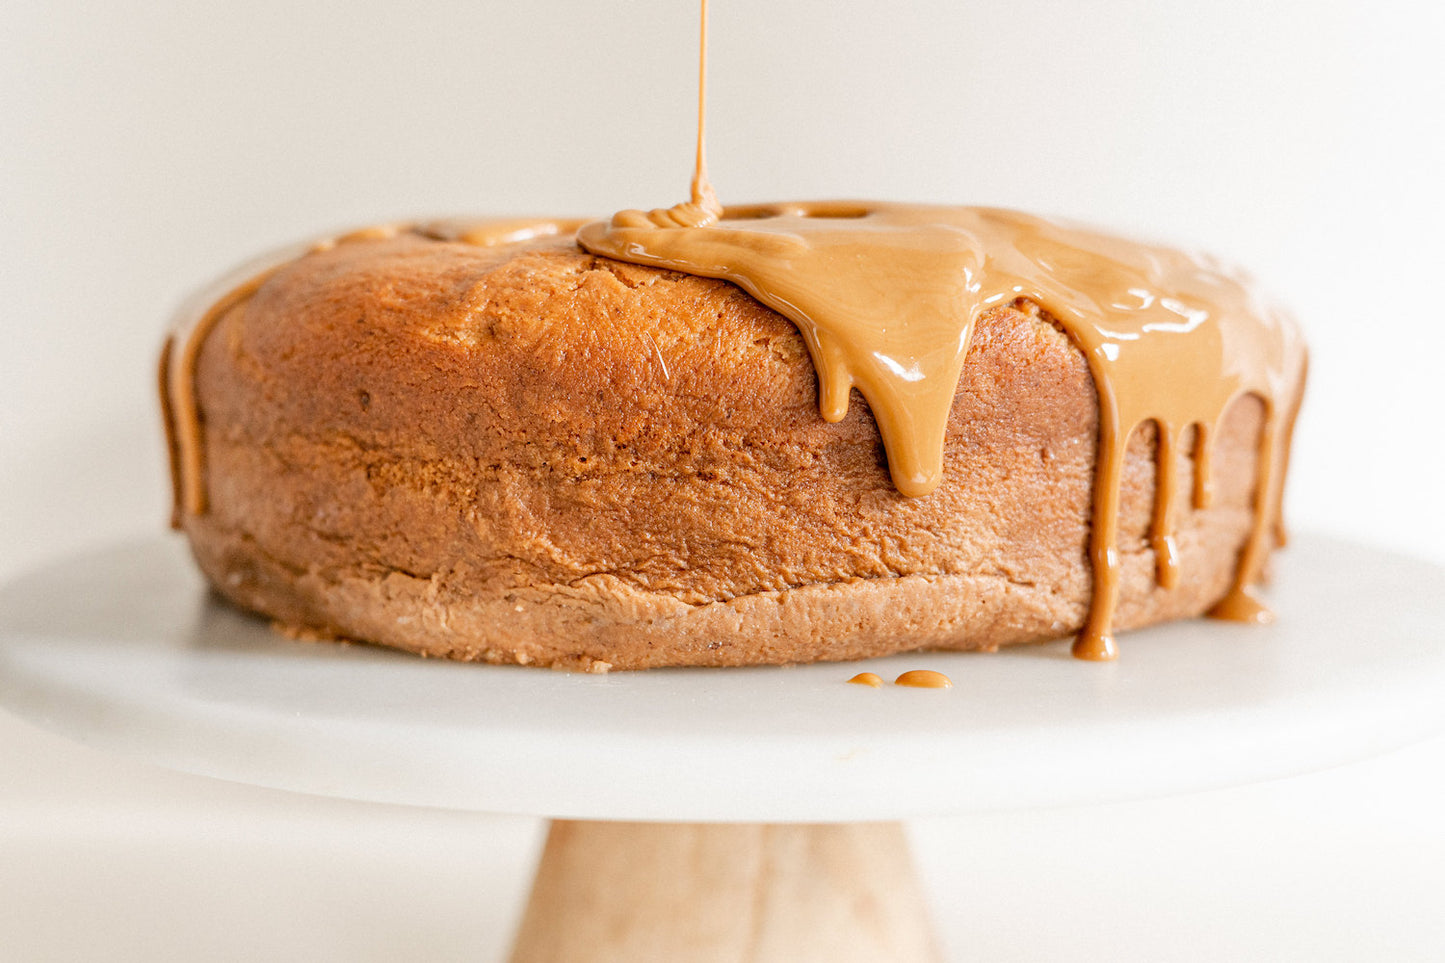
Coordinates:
[532,454]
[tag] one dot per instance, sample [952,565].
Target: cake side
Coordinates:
[532,454]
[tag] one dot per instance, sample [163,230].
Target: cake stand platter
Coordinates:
[729,814]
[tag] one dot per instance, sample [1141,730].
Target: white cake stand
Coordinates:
[782,788]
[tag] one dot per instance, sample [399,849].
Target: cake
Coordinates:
[482,442]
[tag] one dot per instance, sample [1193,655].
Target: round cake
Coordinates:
[503,448]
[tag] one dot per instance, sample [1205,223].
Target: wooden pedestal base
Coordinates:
[740,893]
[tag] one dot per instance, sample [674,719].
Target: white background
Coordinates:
[147,146]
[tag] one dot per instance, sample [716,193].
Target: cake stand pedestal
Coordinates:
[738,814]
[724,891]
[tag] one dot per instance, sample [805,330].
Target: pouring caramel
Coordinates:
[886,296]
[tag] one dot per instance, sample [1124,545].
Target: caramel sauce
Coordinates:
[868,679]
[924,679]
[886,296]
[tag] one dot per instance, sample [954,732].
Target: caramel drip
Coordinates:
[1161,527]
[201,313]
[886,296]
[168,419]
[179,400]
[1281,532]
[867,678]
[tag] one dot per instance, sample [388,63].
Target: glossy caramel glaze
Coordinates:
[886,296]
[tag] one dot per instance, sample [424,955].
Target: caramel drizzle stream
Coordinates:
[204,310]
[704,198]
[702,207]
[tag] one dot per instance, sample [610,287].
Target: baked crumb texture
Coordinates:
[534,455]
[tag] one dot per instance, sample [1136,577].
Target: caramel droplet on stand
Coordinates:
[1096,648]
[867,678]
[1241,605]
[924,679]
